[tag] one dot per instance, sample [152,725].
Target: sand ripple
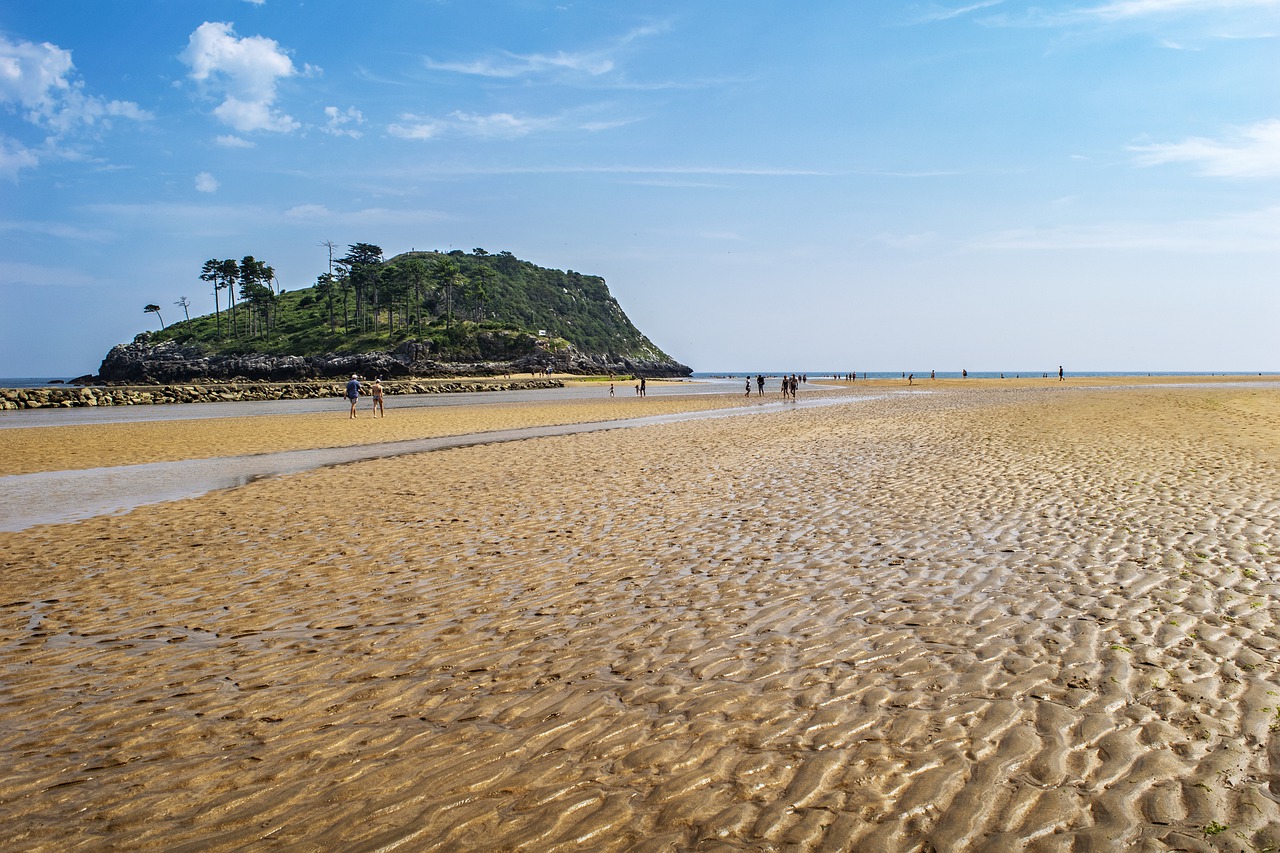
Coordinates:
[989,621]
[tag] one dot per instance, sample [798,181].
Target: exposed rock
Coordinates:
[144,363]
[150,395]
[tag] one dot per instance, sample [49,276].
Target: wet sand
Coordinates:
[982,619]
[76,446]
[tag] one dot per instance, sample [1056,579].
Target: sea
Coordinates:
[55,381]
[973,374]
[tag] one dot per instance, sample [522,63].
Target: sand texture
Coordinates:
[1025,619]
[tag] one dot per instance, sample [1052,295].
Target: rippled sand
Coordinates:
[1041,619]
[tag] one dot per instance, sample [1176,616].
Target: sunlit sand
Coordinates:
[992,617]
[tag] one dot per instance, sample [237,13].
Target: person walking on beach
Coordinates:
[1060,379]
[748,386]
[644,392]
[610,389]
[378,410]
[759,384]
[353,392]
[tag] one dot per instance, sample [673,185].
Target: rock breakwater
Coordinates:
[149,395]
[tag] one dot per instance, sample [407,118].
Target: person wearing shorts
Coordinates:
[353,392]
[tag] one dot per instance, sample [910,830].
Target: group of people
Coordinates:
[789,384]
[355,390]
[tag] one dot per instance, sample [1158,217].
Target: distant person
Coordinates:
[911,378]
[378,410]
[786,384]
[1060,376]
[748,386]
[644,391]
[932,375]
[353,392]
[964,374]
[610,389]
[760,384]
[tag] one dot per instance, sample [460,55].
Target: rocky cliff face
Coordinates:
[144,363]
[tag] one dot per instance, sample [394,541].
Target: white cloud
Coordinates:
[593,63]
[61,230]
[308,211]
[1252,231]
[1252,152]
[229,141]
[217,220]
[17,273]
[495,125]
[517,65]
[339,119]
[414,127]
[939,13]
[206,183]
[14,157]
[246,70]
[40,79]
[1122,9]
[491,126]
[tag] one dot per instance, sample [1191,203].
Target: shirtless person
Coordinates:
[378,410]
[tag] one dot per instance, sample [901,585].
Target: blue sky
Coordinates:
[991,185]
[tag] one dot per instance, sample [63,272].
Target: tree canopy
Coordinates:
[369,302]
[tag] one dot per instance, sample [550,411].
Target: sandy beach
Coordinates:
[1020,616]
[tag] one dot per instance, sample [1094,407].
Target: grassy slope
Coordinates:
[524,299]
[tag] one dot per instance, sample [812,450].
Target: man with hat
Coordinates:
[353,392]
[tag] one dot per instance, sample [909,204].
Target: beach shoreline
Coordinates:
[1041,618]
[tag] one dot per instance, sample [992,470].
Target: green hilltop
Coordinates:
[461,306]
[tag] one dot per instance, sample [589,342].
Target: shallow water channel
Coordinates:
[58,497]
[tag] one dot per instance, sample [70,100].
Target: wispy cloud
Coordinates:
[706,171]
[934,13]
[14,157]
[492,126]
[60,230]
[1250,152]
[218,220]
[517,65]
[506,64]
[1215,18]
[19,274]
[245,71]
[1125,9]
[1253,231]
[229,141]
